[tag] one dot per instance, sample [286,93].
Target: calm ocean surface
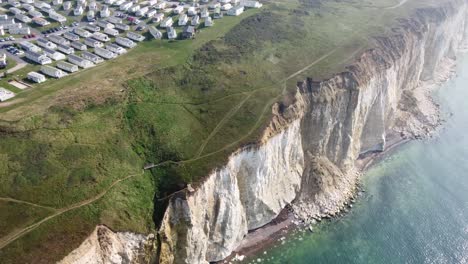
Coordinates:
[415,208]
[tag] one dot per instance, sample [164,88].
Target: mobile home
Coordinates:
[79,61]
[151,13]
[178,10]
[167,22]
[57,17]
[116,49]
[65,49]
[100,36]
[195,21]
[58,40]
[23,18]
[93,28]
[158,17]
[188,32]
[67,66]
[122,26]
[125,42]
[171,33]
[71,36]
[67,5]
[28,46]
[111,31]
[78,11]
[82,33]
[91,57]
[53,54]
[155,32]
[78,45]
[40,21]
[208,22]
[135,36]
[105,24]
[114,20]
[105,53]
[142,11]
[90,16]
[36,77]
[183,19]
[91,42]
[252,4]
[52,72]
[235,11]
[38,58]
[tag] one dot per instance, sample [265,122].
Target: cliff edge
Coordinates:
[307,155]
[308,152]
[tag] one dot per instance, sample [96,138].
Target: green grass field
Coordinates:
[185,105]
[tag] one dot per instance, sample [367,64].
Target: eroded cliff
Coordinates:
[106,246]
[307,155]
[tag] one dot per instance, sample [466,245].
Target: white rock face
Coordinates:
[311,161]
[247,193]
[308,153]
[104,246]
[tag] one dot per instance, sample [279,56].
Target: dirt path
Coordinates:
[236,108]
[310,65]
[223,121]
[4,241]
[402,2]
[8,199]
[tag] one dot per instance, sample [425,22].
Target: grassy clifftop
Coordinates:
[74,149]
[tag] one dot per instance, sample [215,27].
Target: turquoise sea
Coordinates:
[415,208]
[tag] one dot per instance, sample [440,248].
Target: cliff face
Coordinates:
[105,246]
[308,153]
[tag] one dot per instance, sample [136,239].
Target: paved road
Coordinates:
[20,63]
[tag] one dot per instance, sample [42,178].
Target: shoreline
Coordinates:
[264,237]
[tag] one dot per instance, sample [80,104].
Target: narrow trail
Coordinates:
[221,123]
[8,199]
[227,116]
[397,5]
[310,65]
[4,241]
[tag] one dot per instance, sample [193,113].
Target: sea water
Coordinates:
[415,208]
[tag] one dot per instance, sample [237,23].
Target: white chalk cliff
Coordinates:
[104,246]
[307,155]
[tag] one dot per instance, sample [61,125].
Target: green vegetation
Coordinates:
[183,106]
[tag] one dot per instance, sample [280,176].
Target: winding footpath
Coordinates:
[397,5]
[241,103]
[4,241]
[8,199]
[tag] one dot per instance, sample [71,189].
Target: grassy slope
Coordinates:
[189,102]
